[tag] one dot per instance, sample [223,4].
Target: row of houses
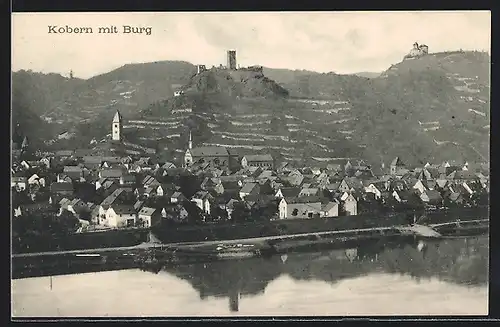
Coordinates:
[141,191]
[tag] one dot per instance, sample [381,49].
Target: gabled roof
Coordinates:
[258,157]
[230,185]
[61,187]
[107,184]
[305,199]
[117,118]
[121,209]
[433,194]
[330,205]
[333,186]
[201,195]
[397,162]
[72,169]
[111,173]
[138,204]
[147,211]
[290,192]
[167,165]
[112,197]
[354,183]
[265,174]
[309,191]
[209,151]
[248,187]
[177,194]
[112,159]
[345,196]
[462,174]
[129,178]
[65,153]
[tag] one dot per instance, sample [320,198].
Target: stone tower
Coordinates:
[116,127]
[231,59]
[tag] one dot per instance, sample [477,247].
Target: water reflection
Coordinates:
[456,260]
[445,277]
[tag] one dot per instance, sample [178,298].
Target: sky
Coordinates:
[341,42]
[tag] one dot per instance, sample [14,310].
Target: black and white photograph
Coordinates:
[250,164]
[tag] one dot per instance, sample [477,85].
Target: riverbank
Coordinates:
[230,231]
[55,263]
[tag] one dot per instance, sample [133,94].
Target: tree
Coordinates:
[63,224]
[240,213]
[219,214]
[195,215]
[85,215]
[189,185]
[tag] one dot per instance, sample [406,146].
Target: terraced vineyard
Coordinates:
[299,129]
[432,108]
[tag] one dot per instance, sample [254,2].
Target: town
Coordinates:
[86,192]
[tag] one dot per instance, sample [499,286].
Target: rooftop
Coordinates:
[209,151]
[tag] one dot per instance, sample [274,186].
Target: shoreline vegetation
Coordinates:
[469,223]
[178,233]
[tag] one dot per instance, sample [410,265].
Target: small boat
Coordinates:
[236,254]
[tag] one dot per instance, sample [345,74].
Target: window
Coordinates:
[310,214]
[295,212]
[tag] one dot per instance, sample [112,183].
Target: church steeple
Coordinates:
[116,127]
[24,145]
[190,143]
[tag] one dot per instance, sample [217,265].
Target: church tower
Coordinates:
[24,145]
[116,127]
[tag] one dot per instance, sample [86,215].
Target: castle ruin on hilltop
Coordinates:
[418,50]
[231,64]
[231,59]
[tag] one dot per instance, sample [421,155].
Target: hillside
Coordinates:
[133,86]
[367,74]
[62,104]
[431,108]
[247,111]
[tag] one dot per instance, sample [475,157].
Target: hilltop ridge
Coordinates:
[423,109]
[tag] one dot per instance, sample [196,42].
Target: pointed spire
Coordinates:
[117,118]
[25,143]
[190,144]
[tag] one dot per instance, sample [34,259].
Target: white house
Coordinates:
[19,183]
[350,204]
[419,186]
[149,216]
[121,216]
[36,180]
[177,197]
[293,208]
[309,191]
[202,201]
[249,188]
[330,209]
[373,189]
[179,212]
[46,161]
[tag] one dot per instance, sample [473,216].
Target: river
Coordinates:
[446,277]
